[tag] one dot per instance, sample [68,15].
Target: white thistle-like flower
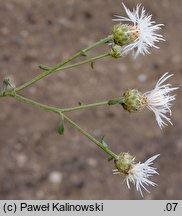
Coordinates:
[139,175]
[158,100]
[143,30]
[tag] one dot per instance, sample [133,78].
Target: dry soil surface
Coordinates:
[38,163]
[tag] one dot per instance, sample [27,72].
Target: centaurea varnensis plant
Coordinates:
[138,35]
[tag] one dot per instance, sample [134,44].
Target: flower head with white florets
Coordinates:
[141,34]
[159,100]
[137,174]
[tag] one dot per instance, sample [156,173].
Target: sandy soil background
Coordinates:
[35,161]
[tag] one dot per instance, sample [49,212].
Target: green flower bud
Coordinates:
[124,162]
[124,34]
[116,52]
[133,101]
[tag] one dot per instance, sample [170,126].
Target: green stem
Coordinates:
[98,43]
[106,149]
[53,69]
[84,62]
[25,85]
[37,104]
[103,103]
[84,106]
[82,52]
[58,111]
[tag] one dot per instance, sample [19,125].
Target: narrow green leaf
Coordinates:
[4,87]
[5,84]
[110,158]
[44,67]
[102,138]
[84,53]
[92,65]
[80,103]
[61,127]
[103,142]
[115,101]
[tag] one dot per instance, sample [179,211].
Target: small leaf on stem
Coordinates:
[115,101]
[44,67]
[92,65]
[6,83]
[103,142]
[80,103]
[83,53]
[110,158]
[61,127]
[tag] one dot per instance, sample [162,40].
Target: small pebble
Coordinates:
[92,162]
[142,77]
[55,177]
[21,160]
